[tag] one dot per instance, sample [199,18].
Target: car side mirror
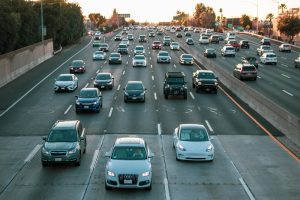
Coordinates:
[145,89]
[217,78]
[44,138]
[107,154]
[82,138]
[150,155]
[113,78]
[76,96]
[211,137]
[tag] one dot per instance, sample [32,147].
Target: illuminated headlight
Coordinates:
[109,173]
[167,86]
[180,147]
[146,173]
[77,102]
[72,151]
[209,148]
[199,83]
[45,151]
[126,93]
[71,68]
[142,94]
[110,82]
[96,102]
[216,83]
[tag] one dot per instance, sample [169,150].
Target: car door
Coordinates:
[81,137]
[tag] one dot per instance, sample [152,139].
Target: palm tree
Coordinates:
[282,7]
[221,11]
[269,17]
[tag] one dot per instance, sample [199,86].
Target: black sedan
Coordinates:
[210,53]
[104,80]
[250,60]
[134,91]
[77,66]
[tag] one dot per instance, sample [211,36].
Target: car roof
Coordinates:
[89,89]
[104,73]
[184,126]
[134,82]
[130,141]
[203,71]
[65,124]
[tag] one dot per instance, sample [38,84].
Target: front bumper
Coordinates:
[137,182]
[77,70]
[88,107]
[115,61]
[206,156]
[60,159]
[64,88]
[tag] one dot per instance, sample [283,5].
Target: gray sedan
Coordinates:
[139,60]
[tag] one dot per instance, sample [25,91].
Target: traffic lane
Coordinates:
[203,180]
[56,181]
[264,173]
[96,189]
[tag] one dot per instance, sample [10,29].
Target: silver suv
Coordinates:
[129,164]
[66,142]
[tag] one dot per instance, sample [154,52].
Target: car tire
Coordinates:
[193,85]
[45,163]
[166,96]
[77,111]
[177,158]
[77,163]
[185,96]
[107,187]
[149,188]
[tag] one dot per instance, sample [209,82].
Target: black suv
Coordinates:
[205,80]
[244,44]
[175,84]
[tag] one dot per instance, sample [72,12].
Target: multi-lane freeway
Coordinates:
[248,164]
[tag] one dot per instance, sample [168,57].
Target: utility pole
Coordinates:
[42,20]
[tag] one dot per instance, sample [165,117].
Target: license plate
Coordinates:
[133,97]
[127,181]
[63,88]
[102,86]
[57,159]
[86,106]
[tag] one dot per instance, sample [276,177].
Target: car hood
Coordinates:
[196,147]
[205,80]
[60,145]
[87,100]
[103,81]
[64,83]
[134,92]
[128,166]
[187,59]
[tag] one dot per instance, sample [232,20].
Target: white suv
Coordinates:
[228,51]
[268,58]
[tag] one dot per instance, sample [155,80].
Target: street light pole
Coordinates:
[257,17]
[42,20]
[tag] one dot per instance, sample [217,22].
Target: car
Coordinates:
[250,60]
[179,35]
[130,37]
[97,35]
[142,38]
[263,49]
[210,53]
[234,44]
[175,46]
[265,41]
[228,51]
[139,50]
[129,164]
[221,37]
[166,41]
[139,60]
[134,91]
[99,55]
[156,45]
[77,66]
[297,62]
[151,34]
[268,58]
[104,80]
[285,47]
[124,32]
[65,143]
[244,44]
[245,71]
[186,29]
[125,41]
[189,41]
[192,142]
[196,30]
[163,57]
[175,85]
[88,99]
[104,47]
[187,34]
[228,38]
[123,48]
[159,32]
[115,58]
[204,40]
[205,80]
[118,38]
[214,39]
[96,43]
[186,59]
[66,82]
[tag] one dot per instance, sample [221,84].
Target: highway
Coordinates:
[248,164]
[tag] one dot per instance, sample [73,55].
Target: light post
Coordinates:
[42,20]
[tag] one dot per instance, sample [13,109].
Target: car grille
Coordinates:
[124,177]
[58,153]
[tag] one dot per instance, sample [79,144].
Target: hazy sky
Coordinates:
[164,10]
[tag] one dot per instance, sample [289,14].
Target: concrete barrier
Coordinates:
[16,63]
[280,118]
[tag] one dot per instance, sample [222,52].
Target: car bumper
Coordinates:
[92,107]
[77,70]
[194,156]
[142,182]
[163,61]
[103,86]
[60,159]
[186,62]
[63,88]
[207,87]
[115,61]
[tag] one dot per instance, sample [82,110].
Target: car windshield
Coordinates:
[115,55]
[65,78]
[266,48]
[175,44]
[156,42]
[210,51]
[129,153]
[206,75]
[103,77]
[142,36]
[62,136]
[122,46]
[249,68]
[187,56]
[271,56]
[245,42]
[163,54]
[193,135]
[99,52]
[175,80]
[229,49]
[204,38]
[77,63]
[88,94]
[103,45]
[139,48]
[139,57]
[251,59]
[134,86]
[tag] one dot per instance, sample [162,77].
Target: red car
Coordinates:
[234,44]
[156,45]
[77,66]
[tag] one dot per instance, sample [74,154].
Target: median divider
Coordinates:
[286,122]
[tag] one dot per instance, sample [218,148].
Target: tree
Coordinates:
[282,7]
[289,25]
[245,21]
[269,17]
[132,22]
[97,19]
[204,16]
[181,18]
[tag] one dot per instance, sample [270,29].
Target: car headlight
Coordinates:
[199,83]
[146,173]
[216,83]
[180,147]
[96,102]
[45,151]
[209,148]
[72,151]
[109,173]
[77,102]
[126,93]
[142,94]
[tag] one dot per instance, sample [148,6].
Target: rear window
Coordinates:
[156,42]
[88,94]
[205,75]
[249,68]
[122,46]
[271,56]
[139,48]
[187,56]
[163,54]
[229,49]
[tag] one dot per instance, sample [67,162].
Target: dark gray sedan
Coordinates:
[134,91]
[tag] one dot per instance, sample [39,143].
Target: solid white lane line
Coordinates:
[286,76]
[258,76]
[209,126]
[155,97]
[118,87]
[167,192]
[32,153]
[288,93]
[110,112]
[192,95]
[86,85]
[284,65]
[127,63]
[250,195]
[150,58]
[41,81]
[95,158]
[152,78]
[70,106]
[174,66]
[105,62]
[97,71]
[158,129]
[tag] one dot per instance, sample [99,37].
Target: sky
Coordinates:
[164,10]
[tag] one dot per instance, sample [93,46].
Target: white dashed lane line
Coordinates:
[209,126]
[118,87]
[286,76]
[97,71]
[288,93]
[174,66]
[284,65]
[110,112]
[152,78]
[158,129]
[150,65]
[70,106]
[86,85]
[258,76]
[155,96]
[32,153]
[123,72]
[192,95]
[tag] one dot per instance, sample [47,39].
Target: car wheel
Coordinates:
[185,96]
[193,85]
[166,96]
[44,163]
[107,187]
[77,111]
[149,188]
[77,163]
